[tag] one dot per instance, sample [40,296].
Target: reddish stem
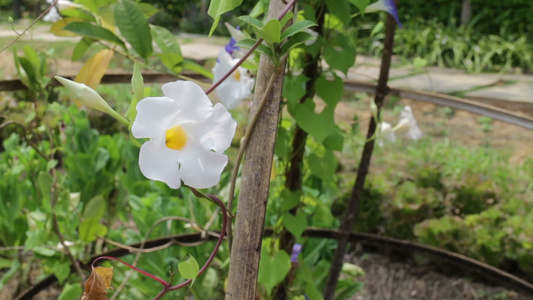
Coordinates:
[163,282]
[166,285]
[243,59]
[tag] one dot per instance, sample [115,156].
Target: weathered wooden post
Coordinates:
[250,216]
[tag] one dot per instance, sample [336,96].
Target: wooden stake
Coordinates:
[250,216]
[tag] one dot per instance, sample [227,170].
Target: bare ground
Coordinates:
[387,279]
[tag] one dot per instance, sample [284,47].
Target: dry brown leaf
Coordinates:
[97,284]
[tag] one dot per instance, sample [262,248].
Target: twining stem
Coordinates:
[57,229]
[294,171]
[364,164]
[167,287]
[29,26]
[245,57]
[139,251]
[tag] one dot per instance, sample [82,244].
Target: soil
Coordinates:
[387,279]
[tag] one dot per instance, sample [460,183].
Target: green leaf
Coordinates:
[346,288]
[295,224]
[78,14]
[297,39]
[70,291]
[273,269]
[249,43]
[61,270]
[137,85]
[320,126]
[341,9]
[95,208]
[296,27]
[217,8]
[361,5]
[189,269]
[15,266]
[81,47]
[340,59]
[28,69]
[148,9]
[323,167]
[44,181]
[335,141]
[170,50]
[290,199]
[95,32]
[271,32]
[90,229]
[133,26]
[251,21]
[330,91]
[31,55]
[100,160]
[195,67]
[35,238]
[294,88]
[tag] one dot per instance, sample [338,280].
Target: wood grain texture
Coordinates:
[255,180]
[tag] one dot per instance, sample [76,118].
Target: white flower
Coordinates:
[237,86]
[187,136]
[235,33]
[408,120]
[385,130]
[53,14]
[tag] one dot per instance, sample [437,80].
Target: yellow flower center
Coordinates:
[237,75]
[176,138]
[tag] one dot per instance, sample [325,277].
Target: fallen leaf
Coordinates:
[97,284]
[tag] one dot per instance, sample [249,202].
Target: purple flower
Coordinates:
[230,47]
[386,5]
[296,249]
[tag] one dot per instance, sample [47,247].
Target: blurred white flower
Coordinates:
[53,14]
[61,248]
[237,86]
[385,5]
[187,136]
[408,120]
[385,131]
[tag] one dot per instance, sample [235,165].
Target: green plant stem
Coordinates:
[245,57]
[364,164]
[294,172]
[29,26]
[58,230]
[167,287]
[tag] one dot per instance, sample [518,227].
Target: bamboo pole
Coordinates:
[251,209]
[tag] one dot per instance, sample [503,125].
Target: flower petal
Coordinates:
[193,102]
[385,5]
[235,88]
[157,162]
[217,132]
[201,169]
[154,115]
